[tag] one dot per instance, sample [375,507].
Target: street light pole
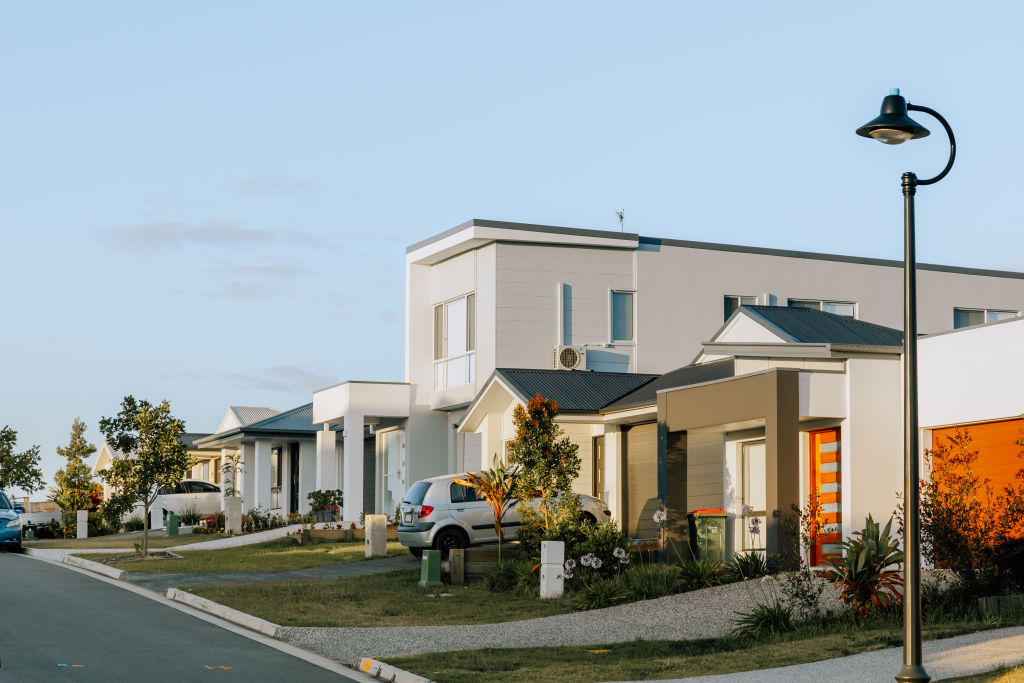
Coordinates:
[894,127]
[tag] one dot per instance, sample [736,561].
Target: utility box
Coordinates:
[707,533]
[430,569]
[172,524]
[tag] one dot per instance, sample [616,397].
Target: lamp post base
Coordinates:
[913,673]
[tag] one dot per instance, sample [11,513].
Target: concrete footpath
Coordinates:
[964,655]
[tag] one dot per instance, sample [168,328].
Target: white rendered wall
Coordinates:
[972,374]
[307,472]
[872,442]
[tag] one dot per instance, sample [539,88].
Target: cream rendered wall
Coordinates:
[681,289]
[972,374]
[747,365]
[583,436]
[527,303]
[872,441]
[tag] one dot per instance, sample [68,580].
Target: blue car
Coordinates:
[10,525]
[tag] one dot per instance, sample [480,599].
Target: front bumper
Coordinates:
[10,535]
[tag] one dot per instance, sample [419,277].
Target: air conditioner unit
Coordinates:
[570,358]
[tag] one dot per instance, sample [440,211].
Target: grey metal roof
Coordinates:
[685,376]
[575,391]
[808,326]
[188,439]
[295,420]
[248,414]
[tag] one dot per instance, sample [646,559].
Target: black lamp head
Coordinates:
[893,126]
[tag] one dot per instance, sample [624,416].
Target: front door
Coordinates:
[826,489]
[293,478]
[598,467]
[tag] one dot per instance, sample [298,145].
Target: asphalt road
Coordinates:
[57,624]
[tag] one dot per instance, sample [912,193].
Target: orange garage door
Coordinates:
[996,443]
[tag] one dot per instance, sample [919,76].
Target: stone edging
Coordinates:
[225,613]
[95,567]
[387,672]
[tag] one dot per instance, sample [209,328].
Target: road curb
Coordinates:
[226,613]
[95,567]
[387,672]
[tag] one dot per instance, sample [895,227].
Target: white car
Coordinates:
[439,513]
[202,495]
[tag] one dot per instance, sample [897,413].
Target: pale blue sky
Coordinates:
[210,202]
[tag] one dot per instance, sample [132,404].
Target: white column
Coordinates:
[326,459]
[353,463]
[248,461]
[307,472]
[261,478]
[228,478]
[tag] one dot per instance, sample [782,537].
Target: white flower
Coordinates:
[619,553]
[586,560]
[624,560]
[567,575]
[748,509]
[659,517]
[596,563]
[570,564]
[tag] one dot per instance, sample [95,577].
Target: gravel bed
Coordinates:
[706,613]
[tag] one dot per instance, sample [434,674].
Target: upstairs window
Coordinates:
[454,341]
[846,308]
[734,302]
[965,317]
[622,316]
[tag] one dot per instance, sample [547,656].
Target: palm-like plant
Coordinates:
[862,574]
[496,486]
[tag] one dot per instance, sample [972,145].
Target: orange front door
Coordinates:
[825,485]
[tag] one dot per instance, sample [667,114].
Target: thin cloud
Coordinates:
[248,290]
[268,185]
[280,271]
[290,378]
[178,234]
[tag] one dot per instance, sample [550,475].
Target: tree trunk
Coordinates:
[145,529]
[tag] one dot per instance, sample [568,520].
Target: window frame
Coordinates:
[985,312]
[611,316]
[744,486]
[441,353]
[739,302]
[821,305]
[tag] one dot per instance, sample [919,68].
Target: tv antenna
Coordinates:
[622,220]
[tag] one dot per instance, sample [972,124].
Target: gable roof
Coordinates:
[295,420]
[808,326]
[575,391]
[685,376]
[246,415]
[188,439]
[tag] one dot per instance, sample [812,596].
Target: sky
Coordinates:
[209,203]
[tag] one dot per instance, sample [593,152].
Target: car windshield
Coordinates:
[5,504]
[416,493]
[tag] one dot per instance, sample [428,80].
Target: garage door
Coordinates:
[641,443]
[996,443]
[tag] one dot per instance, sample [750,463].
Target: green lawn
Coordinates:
[271,556]
[393,599]
[641,660]
[156,540]
[1014,675]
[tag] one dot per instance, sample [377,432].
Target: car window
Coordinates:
[416,493]
[192,487]
[206,487]
[168,490]
[4,503]
[463,494]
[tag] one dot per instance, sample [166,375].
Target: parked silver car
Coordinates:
[202,495]
[439,513]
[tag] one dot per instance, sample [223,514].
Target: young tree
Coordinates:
[496,486]
[19,470]
[74,482]
[548,461]
[154,456]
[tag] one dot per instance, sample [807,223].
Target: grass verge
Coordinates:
[392,599]
[1001,675]
[271,556]
[156,540]
[641,660]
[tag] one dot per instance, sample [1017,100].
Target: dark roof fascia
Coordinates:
[525,227]
[862,260]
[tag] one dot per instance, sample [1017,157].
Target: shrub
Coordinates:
[745,566]
[765,620]
[256,519]
[600,539]
[865,583]
[697,573]
[647,581]
[98,525]
[802,591]
[321,500]
[527,578]
[134,523]
[602,592]
[502,576]
[190,516]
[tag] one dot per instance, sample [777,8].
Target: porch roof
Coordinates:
[574,391]
[647,395]
[808,326]
[297,422]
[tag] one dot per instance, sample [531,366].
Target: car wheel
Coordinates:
[416,552]
[16,547]
[450,539]
[589,518]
